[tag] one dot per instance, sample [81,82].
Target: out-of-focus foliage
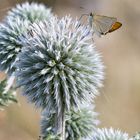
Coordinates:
[16,23]
[10,46]
[32,12]
[6,97]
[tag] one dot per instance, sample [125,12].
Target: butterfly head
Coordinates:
[90,19]
[91,14]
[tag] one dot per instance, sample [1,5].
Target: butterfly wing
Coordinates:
[102,24]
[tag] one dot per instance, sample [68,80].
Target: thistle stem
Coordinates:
[63,126]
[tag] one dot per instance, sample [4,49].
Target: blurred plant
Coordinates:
[32,12]
[79,124]
[9,49]
[6,97]
[9,44]
[16,23]
[58,68]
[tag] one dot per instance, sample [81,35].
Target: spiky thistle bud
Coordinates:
[59,68]
[32,12]
[109,134]
[79,124]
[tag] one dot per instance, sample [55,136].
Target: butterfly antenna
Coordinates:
[53,5]
[107,98]
[81,18]
[6,9]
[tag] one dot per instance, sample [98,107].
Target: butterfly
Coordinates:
[102,25]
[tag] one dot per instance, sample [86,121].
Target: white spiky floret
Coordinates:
[109,134]
[59,66]
[33,12]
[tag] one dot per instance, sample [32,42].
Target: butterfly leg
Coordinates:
[92,36]
[81,18]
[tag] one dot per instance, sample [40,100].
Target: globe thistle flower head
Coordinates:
[33,12]
[58,67]
[109,134]
[9,45]
[79,124]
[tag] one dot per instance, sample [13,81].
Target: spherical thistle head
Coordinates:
[32,12]
[58,68]
[79,124]
[10,46]
[109,134]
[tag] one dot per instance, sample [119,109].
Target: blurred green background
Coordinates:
[119,103]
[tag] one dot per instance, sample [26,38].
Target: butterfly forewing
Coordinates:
[103,24]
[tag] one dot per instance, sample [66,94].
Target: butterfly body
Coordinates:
[102,25]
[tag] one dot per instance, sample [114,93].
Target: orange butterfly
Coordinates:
[102,25]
